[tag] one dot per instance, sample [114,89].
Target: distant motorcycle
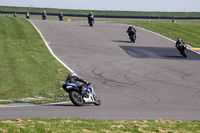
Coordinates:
[75,94]
[44,17]
[27,17]
[182,49]
[131,33]
[61,17]
[133,37]
[91,21]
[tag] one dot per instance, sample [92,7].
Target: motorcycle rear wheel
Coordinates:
[133,39]
[76,98]
[185,54]
[91,24]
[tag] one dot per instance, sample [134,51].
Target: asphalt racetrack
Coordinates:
[143,80]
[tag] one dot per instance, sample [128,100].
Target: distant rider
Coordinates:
[180,42]
[44,15]
[90,17]
[131,31]
[72,78]
[27,15]
[61,16]
[15,14]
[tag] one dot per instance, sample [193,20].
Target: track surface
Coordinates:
[144,80]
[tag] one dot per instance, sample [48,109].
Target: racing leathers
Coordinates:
[131,31]
[72,78]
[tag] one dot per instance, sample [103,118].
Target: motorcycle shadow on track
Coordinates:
[178,57]
[158,53]
[83,25]
[122,41]
[68,104]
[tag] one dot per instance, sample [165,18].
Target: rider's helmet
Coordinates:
[71,74]
[179,40]
[130,25]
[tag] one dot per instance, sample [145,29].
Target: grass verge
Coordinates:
[98,126]
[29,73]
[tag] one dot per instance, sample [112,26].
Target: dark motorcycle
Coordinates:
[132,36]
[77,98]
[182,49]
[44,17]
[61,17]
[91,21]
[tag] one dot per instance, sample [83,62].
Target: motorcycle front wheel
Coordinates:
[76,98]
[91,23]
[132,39]
[97,101]
[185,54]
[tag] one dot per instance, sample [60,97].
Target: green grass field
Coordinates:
[27,68]
[97,126]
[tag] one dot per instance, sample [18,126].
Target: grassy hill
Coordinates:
[29,72]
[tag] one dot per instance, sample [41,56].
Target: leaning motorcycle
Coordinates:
[77,98]
[182,49]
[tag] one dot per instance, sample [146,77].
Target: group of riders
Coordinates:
[73,78]
[180,45]
[61,16]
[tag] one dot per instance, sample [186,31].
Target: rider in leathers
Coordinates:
[44,15]
[90,17]
[61,16]
[179,42]
[131,30]
[72,78]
